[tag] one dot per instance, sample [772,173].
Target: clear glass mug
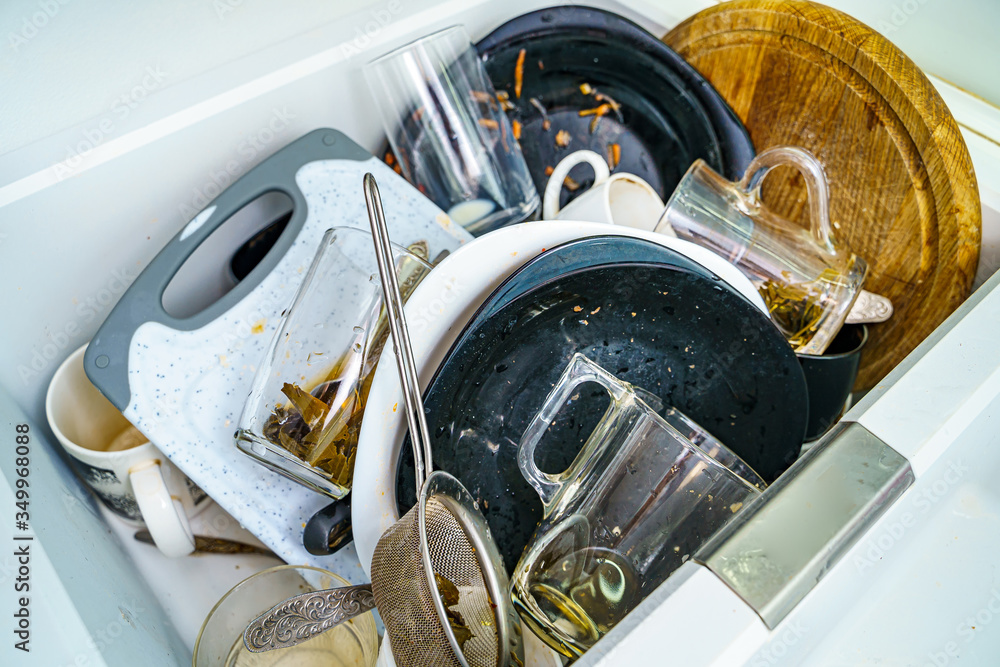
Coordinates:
[644,493]
[303,416]
[808,281]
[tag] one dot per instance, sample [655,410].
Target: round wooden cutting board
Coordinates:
[903,191]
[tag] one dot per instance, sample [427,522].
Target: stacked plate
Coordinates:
[494,325]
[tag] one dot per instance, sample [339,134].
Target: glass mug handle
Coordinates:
[580,370]
[817,186]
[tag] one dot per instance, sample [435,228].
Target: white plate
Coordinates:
[436,313]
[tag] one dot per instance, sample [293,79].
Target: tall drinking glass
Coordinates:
[449,133]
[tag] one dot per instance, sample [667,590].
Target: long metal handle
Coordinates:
[204,544]
[300,618]
[419,435]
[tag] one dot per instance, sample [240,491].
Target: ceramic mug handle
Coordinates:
[162,514]
[550,201]
[580,370]
[816,186]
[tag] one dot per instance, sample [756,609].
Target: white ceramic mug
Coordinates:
[619,199]
[130,476]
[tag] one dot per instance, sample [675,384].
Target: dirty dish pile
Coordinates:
[567,409]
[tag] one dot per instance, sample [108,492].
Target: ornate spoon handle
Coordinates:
[304,616]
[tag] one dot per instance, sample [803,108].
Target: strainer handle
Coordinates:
[579,371]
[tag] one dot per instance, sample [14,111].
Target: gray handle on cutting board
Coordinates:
[106,359]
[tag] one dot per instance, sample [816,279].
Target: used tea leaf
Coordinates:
[450,596]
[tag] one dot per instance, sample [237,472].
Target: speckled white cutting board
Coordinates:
[188,387]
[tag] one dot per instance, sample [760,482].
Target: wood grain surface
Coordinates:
[903,190]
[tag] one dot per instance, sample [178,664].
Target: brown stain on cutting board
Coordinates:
[903,191]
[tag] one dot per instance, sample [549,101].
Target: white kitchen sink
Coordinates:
[120,120]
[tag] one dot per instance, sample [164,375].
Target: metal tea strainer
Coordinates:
[438,580]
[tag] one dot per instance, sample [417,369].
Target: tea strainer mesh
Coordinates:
[454,544]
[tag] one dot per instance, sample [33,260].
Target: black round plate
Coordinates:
[648,315]
[670,115]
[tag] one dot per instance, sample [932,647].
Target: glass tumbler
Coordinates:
[220,642]
[808,281]
[644,493]
[449,133]
[303,416]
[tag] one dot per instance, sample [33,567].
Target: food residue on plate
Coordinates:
[614,155]
[563,138]
[519,73]
[483,98]
[504,98]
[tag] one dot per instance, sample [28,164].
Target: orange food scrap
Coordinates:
[489,123]
[563,138]
[599,110]
[504,98]
[482,98]
[570,184]
[519,73]
[549,170]
[390,159]
[541,65]
[601,97]
[586,88]
[614,155]
[546,124]
[517,129]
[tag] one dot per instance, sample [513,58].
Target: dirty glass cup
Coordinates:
[449,133]
[353,643]
[808,280]
[644,493]
[303,416]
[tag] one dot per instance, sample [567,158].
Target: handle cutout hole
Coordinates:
[574,422]
[228,255]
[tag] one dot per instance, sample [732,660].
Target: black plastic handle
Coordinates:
[106,359]
[329,530]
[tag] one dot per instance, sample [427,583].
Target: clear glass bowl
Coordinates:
[304,412]
[353,643]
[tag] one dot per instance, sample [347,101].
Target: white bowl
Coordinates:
[436,314]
